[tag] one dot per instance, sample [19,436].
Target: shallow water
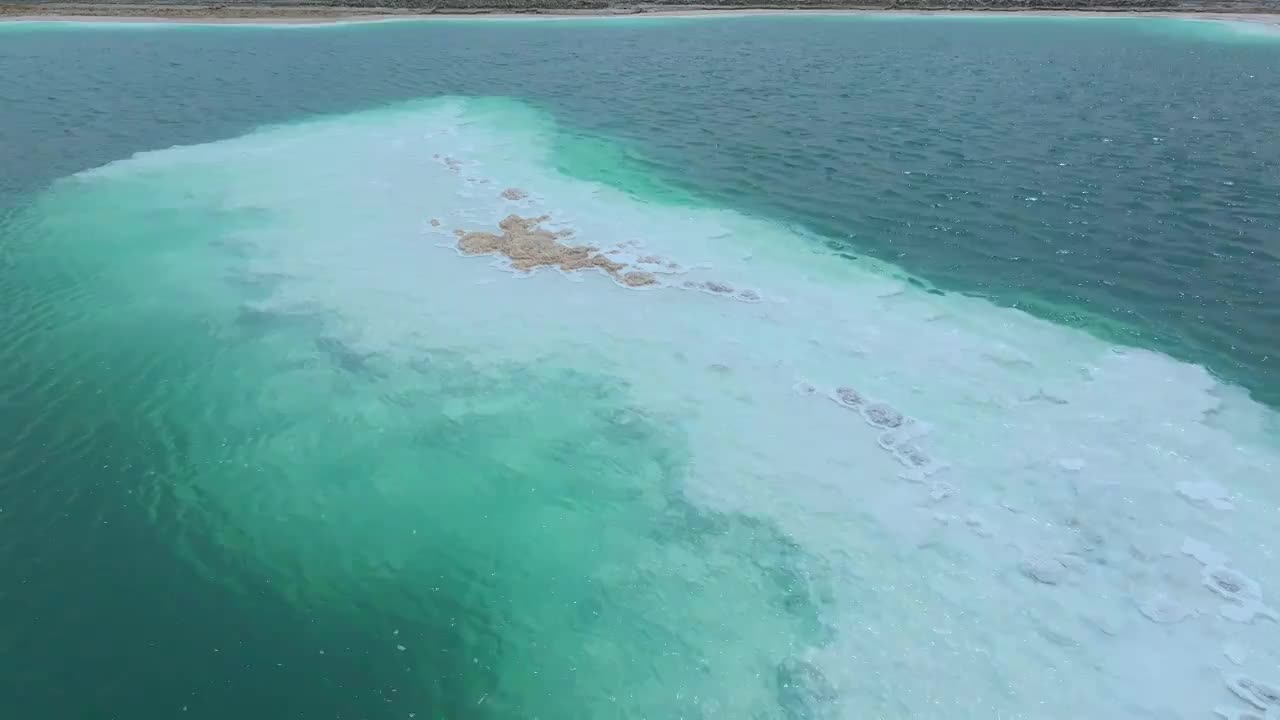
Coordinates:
[278,449]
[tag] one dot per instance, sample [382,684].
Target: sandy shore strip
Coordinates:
[306,15]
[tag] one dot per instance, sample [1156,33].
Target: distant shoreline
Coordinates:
[298,14]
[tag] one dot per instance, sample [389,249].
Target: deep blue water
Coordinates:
[1145,145]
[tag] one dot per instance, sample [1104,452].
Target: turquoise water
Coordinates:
[277,449]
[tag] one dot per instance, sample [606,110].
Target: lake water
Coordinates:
[953,393]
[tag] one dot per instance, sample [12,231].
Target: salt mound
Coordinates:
[1160,608]
[1235,653]
[528,247]
[1208,492]
[882,416]
[1243,591]
[454,165]
[514,194]
[848,397]
[715,287]
[912,456]
[1232,585]
[1047,571]
[1259,694]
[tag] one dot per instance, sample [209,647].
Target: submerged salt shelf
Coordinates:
[922,506]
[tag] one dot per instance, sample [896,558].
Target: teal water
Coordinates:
[277,450]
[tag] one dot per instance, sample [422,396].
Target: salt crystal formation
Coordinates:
[804,388]
[1235,654]
[899,431]
[1048,571]
[1160,608]
[882,415]
[716,287]
[1261,695]
[849,397]
[1208,492]
[454,165]
[1232,585]
[913,457]
[941,491]
[1243,592]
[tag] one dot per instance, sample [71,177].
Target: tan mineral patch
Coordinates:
[638,278]
[529,246]
[514,194]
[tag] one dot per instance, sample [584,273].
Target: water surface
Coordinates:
[278,450]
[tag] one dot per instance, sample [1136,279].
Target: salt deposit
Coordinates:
[869,500]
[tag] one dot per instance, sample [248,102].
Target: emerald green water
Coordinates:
[276,450]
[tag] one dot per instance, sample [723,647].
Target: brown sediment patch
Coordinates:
[514,194]
[529,246]
[638,278]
